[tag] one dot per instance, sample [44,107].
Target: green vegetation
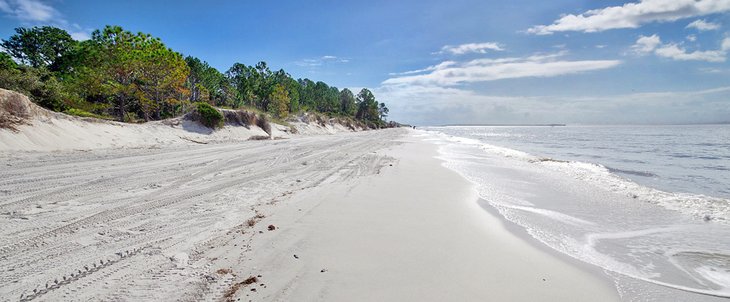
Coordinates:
[6,62]
[209,116]
[39,46]
[39,84]
[82,113]
[279,104]
[133,77]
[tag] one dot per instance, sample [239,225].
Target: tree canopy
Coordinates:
[133,71]
[134,76]
[207,84]
[39,46]
[6,62]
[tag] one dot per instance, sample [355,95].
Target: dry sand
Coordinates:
[369,216]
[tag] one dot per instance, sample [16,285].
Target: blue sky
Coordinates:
[437,62]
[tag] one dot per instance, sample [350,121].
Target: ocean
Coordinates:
[650,205]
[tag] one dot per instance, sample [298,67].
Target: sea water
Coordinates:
[647,204]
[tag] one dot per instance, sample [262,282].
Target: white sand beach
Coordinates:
[368,216]
[414,232]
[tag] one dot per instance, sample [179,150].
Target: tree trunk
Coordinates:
[159,106]
[122,108]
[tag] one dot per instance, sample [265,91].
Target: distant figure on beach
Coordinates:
[414,127]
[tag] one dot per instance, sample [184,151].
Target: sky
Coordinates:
[437,62]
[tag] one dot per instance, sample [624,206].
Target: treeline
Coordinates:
[133,77]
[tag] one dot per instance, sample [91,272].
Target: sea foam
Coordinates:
[658,239]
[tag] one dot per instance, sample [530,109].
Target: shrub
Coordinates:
[232,117]
[83,113]
[6,61]
[209,116]
[263,122]
[240,117]
[40,85]
[14,112]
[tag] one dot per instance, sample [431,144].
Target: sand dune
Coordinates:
[44,130]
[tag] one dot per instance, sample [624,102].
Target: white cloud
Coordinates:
[472,48]
[691,38]
[441,65]
[703,25]
[5,7]
[646,44]
[481,70]
[30,10]
[632,15]
[725,46]
[80,35]
[653,44]
[315,62]
[673,51]
[37,12]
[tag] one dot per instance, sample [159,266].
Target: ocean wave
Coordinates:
[678,251]
[716,168]
[631,172]
[495,134]
[706,208]
[699,206]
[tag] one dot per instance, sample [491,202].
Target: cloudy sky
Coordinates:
[440,62]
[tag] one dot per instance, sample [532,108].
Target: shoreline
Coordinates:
[587,213]
[439,244]
[520,232]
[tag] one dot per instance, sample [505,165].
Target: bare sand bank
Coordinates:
[369,216]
